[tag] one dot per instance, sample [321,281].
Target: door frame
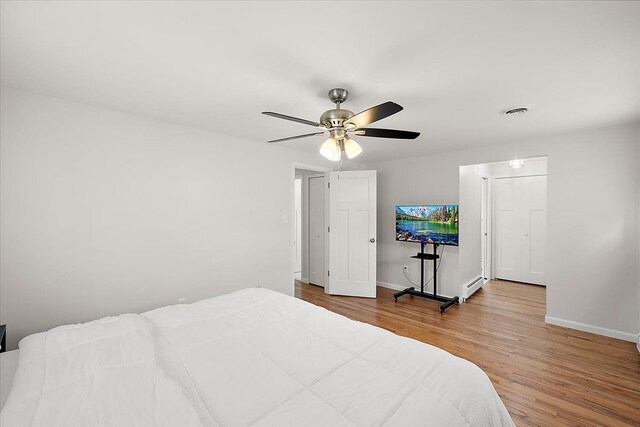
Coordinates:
[487,221]
[297,237]
[292,210]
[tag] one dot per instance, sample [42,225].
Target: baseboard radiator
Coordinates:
[473,286]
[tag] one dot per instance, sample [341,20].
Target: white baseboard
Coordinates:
[590,328]
[402,288]
[391,286]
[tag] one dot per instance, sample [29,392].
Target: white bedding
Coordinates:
[250,358]
[8,367]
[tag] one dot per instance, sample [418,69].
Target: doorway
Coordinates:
[305,183]
[338,226]
[503,223]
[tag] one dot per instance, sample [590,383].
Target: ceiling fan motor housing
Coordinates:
[335,118]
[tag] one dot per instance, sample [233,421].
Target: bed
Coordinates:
[8,367]
[251,358]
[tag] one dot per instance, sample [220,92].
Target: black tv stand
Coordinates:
[422,256]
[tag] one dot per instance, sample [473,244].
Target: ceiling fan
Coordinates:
[340,123]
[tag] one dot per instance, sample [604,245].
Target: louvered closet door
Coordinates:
[521,229]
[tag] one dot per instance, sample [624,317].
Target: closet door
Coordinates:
[535,230]
[317,271]
[507,257]
[521,229]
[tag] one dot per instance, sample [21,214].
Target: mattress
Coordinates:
[251,358]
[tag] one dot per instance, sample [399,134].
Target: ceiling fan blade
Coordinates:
[374,114]
[296,137]
[387,133]
[293,119]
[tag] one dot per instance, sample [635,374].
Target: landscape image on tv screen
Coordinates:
[427,224]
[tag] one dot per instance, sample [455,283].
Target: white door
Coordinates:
[297,218]
[521,229]
[535,230]
[507,230]
[352,233]
[317,272]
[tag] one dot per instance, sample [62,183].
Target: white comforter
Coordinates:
[251,358]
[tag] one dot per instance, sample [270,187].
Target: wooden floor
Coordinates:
[546,375]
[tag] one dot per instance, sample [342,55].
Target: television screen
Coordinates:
[427,224]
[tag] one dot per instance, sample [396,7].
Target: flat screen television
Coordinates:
[427,224]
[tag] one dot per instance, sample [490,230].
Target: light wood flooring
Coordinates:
[546,375]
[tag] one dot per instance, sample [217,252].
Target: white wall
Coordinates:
[105,212]
[427,180]
[592,263]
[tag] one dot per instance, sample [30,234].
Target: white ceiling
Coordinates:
[452,65]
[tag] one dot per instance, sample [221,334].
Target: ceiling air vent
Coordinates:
[519,110]
[516,111]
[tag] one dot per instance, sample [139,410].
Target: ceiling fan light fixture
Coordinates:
[330,150]
[351,148]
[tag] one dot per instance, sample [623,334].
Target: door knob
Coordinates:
[372,240]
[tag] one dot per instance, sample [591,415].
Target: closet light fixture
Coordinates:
[518,163]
